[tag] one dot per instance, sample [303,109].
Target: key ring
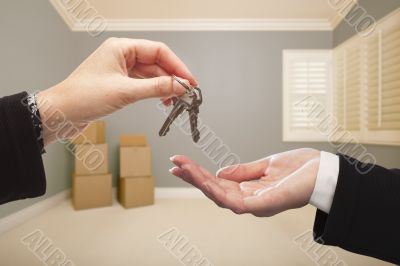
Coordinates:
[188,88]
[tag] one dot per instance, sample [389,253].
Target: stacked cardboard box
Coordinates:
[91,182]
[136,184]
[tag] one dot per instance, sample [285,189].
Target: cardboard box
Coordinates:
[136,191]
[91,191]
[94,133]
[132,140]
[91,159]
[135,156]
[135,161]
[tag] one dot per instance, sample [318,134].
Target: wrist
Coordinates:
[51,117]
[31,103]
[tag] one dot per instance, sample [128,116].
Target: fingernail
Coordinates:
[172,158]
[221,170]
[178,88]
[171,170]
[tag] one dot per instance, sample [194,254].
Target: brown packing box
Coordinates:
[136,191]
[91,159]
[135,161]
[132,140]
[135,156]
[94,133]
[91,191]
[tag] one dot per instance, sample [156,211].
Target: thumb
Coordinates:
[158,87]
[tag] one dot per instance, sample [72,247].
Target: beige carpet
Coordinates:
[118,237]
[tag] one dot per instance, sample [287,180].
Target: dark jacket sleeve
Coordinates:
[21,166]
[365,213]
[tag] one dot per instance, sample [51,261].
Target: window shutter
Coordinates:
[339,86]
[373,81]
[383,82]
[389,115]
[352,101]
[307,82]
[348,85]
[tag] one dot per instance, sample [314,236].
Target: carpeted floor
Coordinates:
[172,232]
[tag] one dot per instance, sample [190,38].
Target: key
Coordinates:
[193,115]
[178,109]
[189,102]
[193,112]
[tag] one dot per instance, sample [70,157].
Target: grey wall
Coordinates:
[240,74]
[376,8]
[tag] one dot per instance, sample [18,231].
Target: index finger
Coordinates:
[150,52]
[209,185]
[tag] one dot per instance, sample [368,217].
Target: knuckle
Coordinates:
[163,86]
[238,210]
[112,41]
[162,45]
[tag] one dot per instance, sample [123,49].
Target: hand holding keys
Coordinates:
[190,102]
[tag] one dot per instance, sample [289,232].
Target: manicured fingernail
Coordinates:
[221,170]
[171,170]
[172,158]
[178,88]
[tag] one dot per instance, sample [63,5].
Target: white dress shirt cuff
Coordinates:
[325,185]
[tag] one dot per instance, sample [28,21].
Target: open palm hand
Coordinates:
[263,188]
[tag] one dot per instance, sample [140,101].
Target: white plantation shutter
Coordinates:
[383,82]
[365,91]
[390,96]
[307,82]
[348,85]
[373,81]
[353,86]
[339,74]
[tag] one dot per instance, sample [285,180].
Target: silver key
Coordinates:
[178,109]
[193,114]
[190,102]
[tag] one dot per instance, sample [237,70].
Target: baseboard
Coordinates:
[30,212]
